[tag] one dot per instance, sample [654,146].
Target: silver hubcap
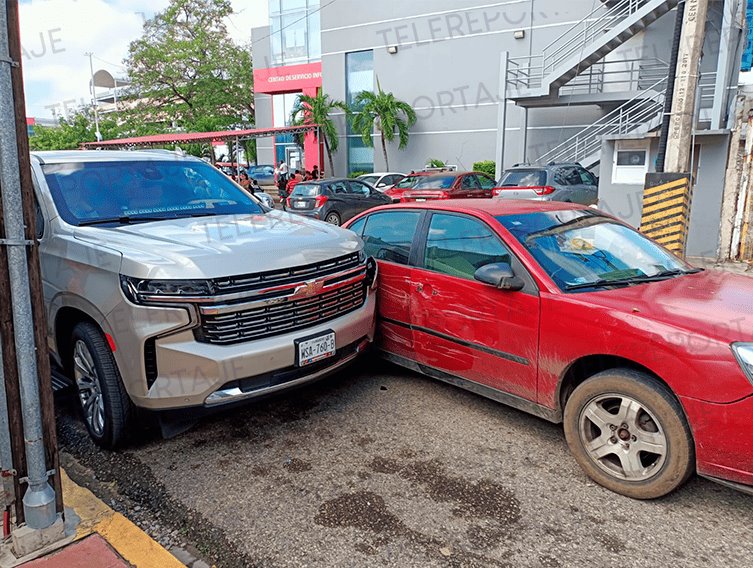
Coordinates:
[623,437]
[89,388]
[333,219]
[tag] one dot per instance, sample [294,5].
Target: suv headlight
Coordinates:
[744,354]
[143,291]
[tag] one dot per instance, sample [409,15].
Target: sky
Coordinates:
[55,35]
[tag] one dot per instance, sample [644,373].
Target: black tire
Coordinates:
[333,218]
[654,420]
[116,404]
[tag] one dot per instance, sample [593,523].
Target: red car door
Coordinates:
[388,237]
[464,327]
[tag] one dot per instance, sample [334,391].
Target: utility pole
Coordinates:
[42,505]
[667,194]
[679,140]
[95,103]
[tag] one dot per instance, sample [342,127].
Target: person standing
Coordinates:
[315,172]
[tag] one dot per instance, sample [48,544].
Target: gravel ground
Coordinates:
[381,467]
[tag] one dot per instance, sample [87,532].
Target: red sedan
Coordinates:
[450,185]
[569,314]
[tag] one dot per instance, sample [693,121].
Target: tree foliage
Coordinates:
[186,69]
[310,110]
[385,113]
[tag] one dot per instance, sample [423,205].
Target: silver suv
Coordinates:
[568,182]
[168,287]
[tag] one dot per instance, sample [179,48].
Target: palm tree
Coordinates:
[383,112]
[310,110]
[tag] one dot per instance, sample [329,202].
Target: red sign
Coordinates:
[288,79]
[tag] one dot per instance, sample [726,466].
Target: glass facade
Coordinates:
[295,32]
[359,76]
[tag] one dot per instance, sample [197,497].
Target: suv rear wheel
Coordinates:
[628,433]
[105,405]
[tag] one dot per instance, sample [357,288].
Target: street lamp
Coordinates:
[97,133]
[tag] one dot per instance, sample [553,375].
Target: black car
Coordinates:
[334,200]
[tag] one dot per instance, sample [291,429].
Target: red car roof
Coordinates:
[489,206]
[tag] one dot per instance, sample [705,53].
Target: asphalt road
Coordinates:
[381,467]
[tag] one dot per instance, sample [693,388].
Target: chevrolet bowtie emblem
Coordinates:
[308,289]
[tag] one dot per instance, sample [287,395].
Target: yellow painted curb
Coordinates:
[128,540]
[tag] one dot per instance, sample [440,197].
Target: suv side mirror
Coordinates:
[500,275]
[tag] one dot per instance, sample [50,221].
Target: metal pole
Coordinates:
[95,103]
[501,114]
[39,498]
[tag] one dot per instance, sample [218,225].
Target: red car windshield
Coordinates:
[583,250]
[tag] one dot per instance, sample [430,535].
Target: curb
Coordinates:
[128,540]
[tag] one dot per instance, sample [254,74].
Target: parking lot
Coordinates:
[378,466]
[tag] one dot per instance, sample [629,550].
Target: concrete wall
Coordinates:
[261,59]
[625,201]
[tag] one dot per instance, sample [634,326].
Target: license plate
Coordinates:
[312,349]
[299,204]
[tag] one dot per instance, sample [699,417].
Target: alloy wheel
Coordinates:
[89,388]
[623,437]
[333,219]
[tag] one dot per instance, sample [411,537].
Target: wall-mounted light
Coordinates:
[392,49]
[519,34]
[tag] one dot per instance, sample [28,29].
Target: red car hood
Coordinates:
[711,303]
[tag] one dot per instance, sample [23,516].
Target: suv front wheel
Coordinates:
[105,404]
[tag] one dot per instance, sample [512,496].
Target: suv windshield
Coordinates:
[88,193]
[441,182]
[585,250]
[523,178]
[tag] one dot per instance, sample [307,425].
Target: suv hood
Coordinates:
[712,303]
[211,247]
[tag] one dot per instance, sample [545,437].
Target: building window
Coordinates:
[359,76]
[631,159]
[295,31]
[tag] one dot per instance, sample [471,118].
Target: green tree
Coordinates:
[317,110]
[186,70]
[382,112]
[72,131]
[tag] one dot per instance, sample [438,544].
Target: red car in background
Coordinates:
[450,185]
[397,190]
[571,315]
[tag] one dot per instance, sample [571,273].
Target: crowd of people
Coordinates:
[286,181]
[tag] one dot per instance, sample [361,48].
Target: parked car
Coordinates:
[168,287]
[381,181]
[571,315]
[450,185]
[264,174]
[334,200]
[571,183]
[401,186]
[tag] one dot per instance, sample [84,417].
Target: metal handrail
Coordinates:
[624,119]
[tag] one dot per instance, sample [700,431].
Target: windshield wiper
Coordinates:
[638,279]
[123,220]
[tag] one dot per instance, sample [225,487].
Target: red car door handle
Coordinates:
[419,287]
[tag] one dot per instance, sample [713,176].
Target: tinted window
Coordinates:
[389,235]
[357,227]
[470,182]
[96,191]
[459,246]
[486,182]
[438,182]
[306,190]
[586,177]
[339,187]
[390,180]
[359,189]
[523,178]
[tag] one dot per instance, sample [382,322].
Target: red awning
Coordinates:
[197,137]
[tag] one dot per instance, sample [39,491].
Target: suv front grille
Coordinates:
[341,291]
[245,282]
